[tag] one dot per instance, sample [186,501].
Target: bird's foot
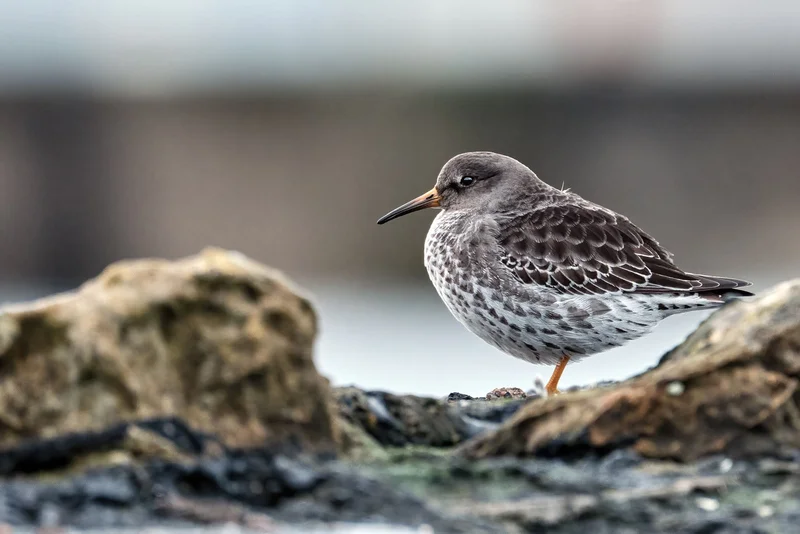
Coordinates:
[506,393]
[552,385]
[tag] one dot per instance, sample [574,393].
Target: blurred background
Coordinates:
[284,129]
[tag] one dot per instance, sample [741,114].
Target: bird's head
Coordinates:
[479,181]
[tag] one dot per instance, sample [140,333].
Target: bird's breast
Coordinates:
[457,248]
[458,256]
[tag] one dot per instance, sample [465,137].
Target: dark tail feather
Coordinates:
[721,289]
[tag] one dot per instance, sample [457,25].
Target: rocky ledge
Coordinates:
[185,393]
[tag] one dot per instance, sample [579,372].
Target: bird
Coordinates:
[544,275]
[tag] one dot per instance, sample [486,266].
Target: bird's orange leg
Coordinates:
[552,384]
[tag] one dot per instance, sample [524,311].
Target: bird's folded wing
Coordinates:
[579,250]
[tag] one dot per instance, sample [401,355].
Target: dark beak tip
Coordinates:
[428,200]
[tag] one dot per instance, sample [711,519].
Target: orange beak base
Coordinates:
[428,200]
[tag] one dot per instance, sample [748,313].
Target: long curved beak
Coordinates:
[427,200]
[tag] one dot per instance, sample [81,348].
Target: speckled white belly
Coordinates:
[527,321]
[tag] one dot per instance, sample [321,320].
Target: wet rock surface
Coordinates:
[213,413]
[402,420]
[621,492]
[268,491]
[200,481]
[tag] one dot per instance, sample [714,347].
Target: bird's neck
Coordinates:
[534,195]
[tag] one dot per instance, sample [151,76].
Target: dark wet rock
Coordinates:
[216,339]
[251,487]
[456,396]
[400,420]
[166,438]
[731,387]
[486,414]
[262,490]
[201,481]
[621,492]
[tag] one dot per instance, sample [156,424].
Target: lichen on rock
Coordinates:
[216,339]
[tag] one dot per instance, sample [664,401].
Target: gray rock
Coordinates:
[216,339]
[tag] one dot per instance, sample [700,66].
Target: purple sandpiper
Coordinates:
[544,275]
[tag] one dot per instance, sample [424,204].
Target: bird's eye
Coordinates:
[467,181]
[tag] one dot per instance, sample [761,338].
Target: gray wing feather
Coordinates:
[579,250]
